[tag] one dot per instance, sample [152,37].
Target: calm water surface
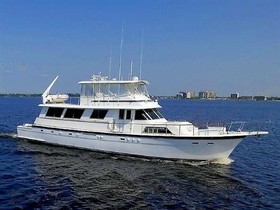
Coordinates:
[49,177]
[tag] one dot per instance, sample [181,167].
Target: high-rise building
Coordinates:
[207,94]
[210,94]
[234,96]
[183,93]
[202,94]
[190,94]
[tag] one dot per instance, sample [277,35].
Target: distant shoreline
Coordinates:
[153,97]
[217,98]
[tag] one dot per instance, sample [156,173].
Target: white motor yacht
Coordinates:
[118,116]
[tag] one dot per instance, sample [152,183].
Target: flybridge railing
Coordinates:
[74,100]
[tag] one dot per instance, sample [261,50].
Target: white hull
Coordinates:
[159,147]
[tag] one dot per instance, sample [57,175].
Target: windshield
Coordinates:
[147,114]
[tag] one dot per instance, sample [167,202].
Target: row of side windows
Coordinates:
[147,114]
[154,130]
[75,113]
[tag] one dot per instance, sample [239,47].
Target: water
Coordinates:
[50,177]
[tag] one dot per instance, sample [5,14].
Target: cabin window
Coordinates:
[153,113]
[128,114]
[147,114]
[54,112]
[74,113]
[99,113]
[158,113]
[141,115]
[121,114]
[160,130]
[87,90]
[83,91]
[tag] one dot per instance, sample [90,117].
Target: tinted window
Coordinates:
[99,113]
[121,114]
[141,115]
[151,113]
[158,113]
[128,114]
[54,112]
[74,113]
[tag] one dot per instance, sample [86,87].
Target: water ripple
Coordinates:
[37,176]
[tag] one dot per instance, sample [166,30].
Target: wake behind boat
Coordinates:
[119,116]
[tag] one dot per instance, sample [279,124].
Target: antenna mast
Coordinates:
[131,66]
[121,47]
[110,63]
[141,56]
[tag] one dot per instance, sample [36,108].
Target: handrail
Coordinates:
[170,128]
[163,128]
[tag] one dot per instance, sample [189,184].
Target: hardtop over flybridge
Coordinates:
[119,116]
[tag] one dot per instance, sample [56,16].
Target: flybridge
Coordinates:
[102,92]
[104,79]
[101,88]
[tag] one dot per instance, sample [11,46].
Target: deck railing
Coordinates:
[178,129]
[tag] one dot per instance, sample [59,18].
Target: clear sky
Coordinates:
[222,45]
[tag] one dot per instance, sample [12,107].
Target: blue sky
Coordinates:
[222,45]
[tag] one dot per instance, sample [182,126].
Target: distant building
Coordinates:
[179,95]
[184,94]
[211,94]
[234,96]
[190,94]
[202,94]
[207,94]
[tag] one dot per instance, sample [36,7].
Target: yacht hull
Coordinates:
[148,146]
